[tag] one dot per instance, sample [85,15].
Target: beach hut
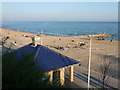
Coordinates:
[50,61]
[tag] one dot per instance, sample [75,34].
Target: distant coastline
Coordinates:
[65,28]
[97,36]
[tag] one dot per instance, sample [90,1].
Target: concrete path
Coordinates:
[81,79]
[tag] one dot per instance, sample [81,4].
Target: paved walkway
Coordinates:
[81,79]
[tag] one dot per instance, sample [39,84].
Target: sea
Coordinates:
[64,28]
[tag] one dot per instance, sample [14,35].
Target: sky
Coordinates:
[60,0]
[59,11]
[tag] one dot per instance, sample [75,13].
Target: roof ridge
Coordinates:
[37,52]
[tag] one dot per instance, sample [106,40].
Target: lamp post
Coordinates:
[41,36]
[89,64]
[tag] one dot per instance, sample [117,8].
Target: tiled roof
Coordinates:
[46,58]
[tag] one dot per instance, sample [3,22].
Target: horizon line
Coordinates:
[58,21]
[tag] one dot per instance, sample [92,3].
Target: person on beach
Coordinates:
[82,44]
[15,43]
[111,40]
[59,39]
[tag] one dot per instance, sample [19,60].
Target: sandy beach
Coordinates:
[100,48]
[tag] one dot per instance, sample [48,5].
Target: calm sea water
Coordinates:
[66,29]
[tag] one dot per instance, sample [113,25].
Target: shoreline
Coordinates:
[84,36]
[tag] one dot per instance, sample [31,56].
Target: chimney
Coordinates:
[35,41]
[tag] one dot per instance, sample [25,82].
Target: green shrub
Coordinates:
[22,73]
